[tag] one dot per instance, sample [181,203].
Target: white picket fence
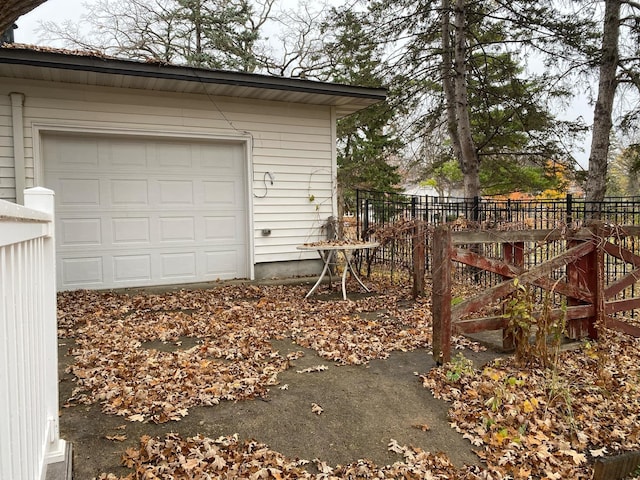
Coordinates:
[29,433]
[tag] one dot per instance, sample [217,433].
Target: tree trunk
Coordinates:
[470,159]
[448,83]
[12,9]
[454,81]
[602,121]
[198,24]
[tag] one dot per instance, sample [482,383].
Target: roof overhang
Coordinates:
[89,68]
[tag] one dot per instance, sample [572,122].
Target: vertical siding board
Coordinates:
[6,154]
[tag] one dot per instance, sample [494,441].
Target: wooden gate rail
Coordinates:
[585,286]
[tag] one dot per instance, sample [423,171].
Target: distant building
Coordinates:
[429,191]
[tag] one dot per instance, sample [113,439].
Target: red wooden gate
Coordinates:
[588,297]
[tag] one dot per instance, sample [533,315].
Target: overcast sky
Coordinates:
[54,10]
[61,10]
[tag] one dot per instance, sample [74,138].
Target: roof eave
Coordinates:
[362,96]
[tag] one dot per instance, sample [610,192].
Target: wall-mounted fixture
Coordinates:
[272,177]
[266,232]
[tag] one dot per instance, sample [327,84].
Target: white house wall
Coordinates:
[7,181]
[294,143]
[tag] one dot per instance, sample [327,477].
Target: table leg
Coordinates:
[327,262]
[344,274]
[324,254]
[349,266]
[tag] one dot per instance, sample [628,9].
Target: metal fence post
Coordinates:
[476,209]
[365,220]
[419,254]
[358,211]
[425,218]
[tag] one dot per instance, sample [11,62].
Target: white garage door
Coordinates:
[146,211]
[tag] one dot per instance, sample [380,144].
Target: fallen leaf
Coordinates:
[191,464]
[600,452]
[527,406]
[395,447]
[424,427]
[577,457]
[317,368]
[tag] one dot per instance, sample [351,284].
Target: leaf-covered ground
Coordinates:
[227,458]
[551,423]
[525,422]
[232,358]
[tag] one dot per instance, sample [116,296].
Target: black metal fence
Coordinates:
[375,209]
[389,219]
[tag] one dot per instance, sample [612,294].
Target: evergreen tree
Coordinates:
[367,140]
[463,62]
[624,173]
[216,34]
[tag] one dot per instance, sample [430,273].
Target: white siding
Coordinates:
[292,141]
[7,181]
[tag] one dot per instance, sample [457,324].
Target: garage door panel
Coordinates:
[141,211]
[78,192]
[80,231]
[176,192]
[127,268]
[177,229]
[223,158]
[129,193]
[126,230]
[220,193]
[81,153]
[221,229]
[178,265]
[221,264]
[81,271]
[169,155]
[124,154]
